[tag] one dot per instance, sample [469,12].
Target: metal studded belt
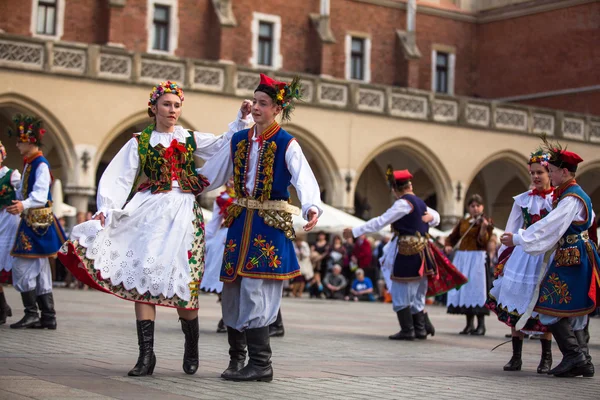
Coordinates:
[572,239]
[269,205]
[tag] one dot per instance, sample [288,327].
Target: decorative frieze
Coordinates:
[208,78]
[595,131]
[154,71]
[444,110]
[408,106]
[21,55]
[477,114]
[246,83]
[370,100]
[69,60]
[573,128]
[543,123]
[332,94]
[507,118]
[114,66]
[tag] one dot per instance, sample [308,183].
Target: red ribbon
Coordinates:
[542,194]
[175,146]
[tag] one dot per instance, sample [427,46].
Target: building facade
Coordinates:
[452,90]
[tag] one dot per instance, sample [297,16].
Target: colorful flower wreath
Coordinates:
[162,88]
[540,157]
[28,129]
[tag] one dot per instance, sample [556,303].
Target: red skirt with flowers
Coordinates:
[448,277]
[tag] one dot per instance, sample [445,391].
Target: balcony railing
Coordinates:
[116,64]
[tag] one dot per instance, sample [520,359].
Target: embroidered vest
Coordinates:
[163,165]
[272,178]
[29,177]
[412,223]
[7,191]
[530,219]
[577,227]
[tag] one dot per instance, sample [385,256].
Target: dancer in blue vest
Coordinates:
[259,252]
[146,242]
[39,235]
[408,258]
[10,182]
[569,289]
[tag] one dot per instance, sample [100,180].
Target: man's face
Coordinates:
[557,175]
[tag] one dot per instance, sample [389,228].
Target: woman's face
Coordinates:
[475,209]
[321,237]
[539,176]
[337,242]
[167,110]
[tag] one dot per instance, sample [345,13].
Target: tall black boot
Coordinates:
[146,360]
[5,310]
[31,317]
[587,370]
[469,327]
[276,328]
[259,351]
[567,342]
[546,360]
[46,304]
[515,362]
[419,325]
[237,352]
[480,331]
[221,328]
[428,325]
[407,329]
[191,330]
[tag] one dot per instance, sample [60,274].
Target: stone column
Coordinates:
[81,186]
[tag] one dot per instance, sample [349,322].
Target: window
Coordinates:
[265,43]
[46,17]
[357,59]
[441,72]
[161,27]
[266,40]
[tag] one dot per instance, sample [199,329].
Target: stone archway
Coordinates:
[589,179]
[431,181]
[498,179]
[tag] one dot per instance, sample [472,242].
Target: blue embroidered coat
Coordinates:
[34,242]
[259,243]
[412,267]
[569,288]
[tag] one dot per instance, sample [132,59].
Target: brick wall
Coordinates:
[585,102]
[85,21]
[16,17]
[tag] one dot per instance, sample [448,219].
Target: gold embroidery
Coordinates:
[238,166]
[267,171]
[233,211]
[566,257]
[280,220]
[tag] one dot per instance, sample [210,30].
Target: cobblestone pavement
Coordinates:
[333,350]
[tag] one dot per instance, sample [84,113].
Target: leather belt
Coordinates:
[271,205]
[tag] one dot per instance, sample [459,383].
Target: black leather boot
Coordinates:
[31,317]
[515,362]
[237,352]
[276,328]
[46,304]
[546,360]
[407,329]
[469,327]
[191,330]
[221,328]
[5,310]
[587,370]
[567,342]
[428,325]
[259,351]
[419,325]
[146,360]
[480,331]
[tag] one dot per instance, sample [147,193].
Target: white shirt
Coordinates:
[219,168]
[399,209]
[15,178]
[118,178]
[544,234]
[39,193]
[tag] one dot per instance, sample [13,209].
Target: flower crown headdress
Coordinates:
[539,156]
[282,93]
[28,129]
[162,88]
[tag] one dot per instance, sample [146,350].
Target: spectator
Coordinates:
[362,255]
[306,267]
[318,253]
[362,287]
[335,283]
[381,289]
[337,251]
[492,253]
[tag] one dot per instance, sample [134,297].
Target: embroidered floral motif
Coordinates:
[239,172]
[267,170]
[24,242]
[567,256]
[233,211]
[263,251]
[530,219]
[558,292]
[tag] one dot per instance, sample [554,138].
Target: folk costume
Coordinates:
[569,289]
[470,259]
[408,257]
[39,235]
[10,183]
[151,249]
[259,252]
[517,272]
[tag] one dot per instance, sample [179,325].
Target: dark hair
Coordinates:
[475,199]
